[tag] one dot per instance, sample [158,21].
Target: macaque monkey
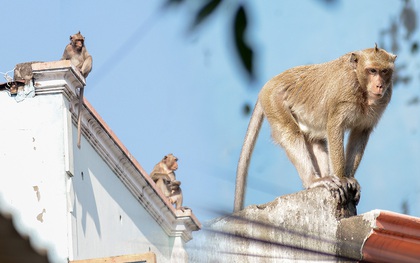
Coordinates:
[309,109]
[163,173]
[175,196]
[77,53]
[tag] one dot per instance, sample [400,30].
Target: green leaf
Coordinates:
[244,50]
[173,2]
[204,12]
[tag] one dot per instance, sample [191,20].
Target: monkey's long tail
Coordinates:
[254,127]
[79,117]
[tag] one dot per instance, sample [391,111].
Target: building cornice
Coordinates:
[62,77]
[393,238]
[57,77]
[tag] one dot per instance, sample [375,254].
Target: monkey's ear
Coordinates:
[394,57]
[80,35]
[354,59]
[71,38]
[166,157]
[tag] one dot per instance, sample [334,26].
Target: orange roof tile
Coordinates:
[395,238]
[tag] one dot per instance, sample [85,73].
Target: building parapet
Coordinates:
[303,227]
[61,76]
[51,126]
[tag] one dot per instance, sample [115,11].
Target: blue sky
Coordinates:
[164,90]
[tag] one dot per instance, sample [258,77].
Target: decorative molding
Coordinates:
[57,77]
[62,77]
[149,257]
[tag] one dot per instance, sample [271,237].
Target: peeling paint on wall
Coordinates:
[33,141]
[38,194]
[40,217]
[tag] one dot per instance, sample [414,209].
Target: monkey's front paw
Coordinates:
[352,187]
[344,189]
[348,190]
[333,184]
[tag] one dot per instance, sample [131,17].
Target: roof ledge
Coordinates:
[132,174]
[56,74]
[62,77]
[394,238]
[303,226]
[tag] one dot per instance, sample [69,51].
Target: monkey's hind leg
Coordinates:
[321,160]
[310,158]
[344,189]
[286,132]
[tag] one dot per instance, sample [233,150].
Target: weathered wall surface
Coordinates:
[78,203]
[32,174]
[300,227]
[107,220]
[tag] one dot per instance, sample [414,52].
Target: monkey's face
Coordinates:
[374,70]
[171,162]
[77,41]
[77,44]
[378,82]
[173,165]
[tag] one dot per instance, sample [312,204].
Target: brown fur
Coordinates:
[176,196]
[77,53]
[164,173]
[309,109]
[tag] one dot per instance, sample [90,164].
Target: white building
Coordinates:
[92,202]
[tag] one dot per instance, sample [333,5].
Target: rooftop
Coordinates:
[61,77]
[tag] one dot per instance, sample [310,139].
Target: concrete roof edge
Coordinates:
[395,238]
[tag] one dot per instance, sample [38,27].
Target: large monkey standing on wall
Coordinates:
[309,109]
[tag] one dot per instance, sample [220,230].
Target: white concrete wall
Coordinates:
[106,218]
[32,175]
[80,203]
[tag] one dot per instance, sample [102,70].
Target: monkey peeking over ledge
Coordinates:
[309,109]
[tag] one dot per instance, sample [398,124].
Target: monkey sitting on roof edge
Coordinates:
[163,175]
[77,53]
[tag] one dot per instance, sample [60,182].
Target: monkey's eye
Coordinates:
[385,71]
[372,71]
